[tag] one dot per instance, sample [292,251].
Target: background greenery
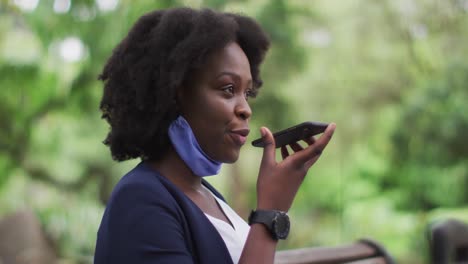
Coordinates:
[393,75]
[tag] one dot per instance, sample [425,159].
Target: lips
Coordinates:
[239,136]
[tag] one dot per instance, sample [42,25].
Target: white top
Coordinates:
[234,238]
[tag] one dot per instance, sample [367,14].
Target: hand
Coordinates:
[278,182]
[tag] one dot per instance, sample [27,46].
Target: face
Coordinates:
[215,105]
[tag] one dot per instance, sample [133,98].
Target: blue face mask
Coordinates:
[186,145]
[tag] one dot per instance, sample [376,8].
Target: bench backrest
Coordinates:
[364,251]
[448,242]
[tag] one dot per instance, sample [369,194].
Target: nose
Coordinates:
[243,109]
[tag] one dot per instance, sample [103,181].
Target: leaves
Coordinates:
[391,74]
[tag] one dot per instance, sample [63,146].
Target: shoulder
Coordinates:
[138,201]
[140,187]
[143,220]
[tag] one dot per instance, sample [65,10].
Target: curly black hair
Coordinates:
[160,52]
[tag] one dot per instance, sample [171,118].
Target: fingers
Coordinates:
[284,152]
[310,140]
[296,147]
[311,162]
[269,148]
[313,152]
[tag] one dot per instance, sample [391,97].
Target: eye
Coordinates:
[228,89]
[249,93]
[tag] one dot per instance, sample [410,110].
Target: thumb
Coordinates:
[269,148]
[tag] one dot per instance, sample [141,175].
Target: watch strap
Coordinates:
[277,222]
[263,216]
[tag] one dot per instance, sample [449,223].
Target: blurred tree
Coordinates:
[51,57]
[285,60]
[50,82]
[429,143]
[382,70]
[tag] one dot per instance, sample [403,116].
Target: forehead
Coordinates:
[231,59]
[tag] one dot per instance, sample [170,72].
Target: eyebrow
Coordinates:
[235,75]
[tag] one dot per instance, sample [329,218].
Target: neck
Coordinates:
[175,170]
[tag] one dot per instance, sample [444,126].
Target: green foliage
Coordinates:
[393,76]
[429,152]
[284,61]
[436,121]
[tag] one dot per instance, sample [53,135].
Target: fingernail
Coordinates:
[262,131]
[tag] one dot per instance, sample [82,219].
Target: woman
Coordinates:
[175,95]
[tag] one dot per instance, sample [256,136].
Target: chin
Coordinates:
[230,161]
[230,158]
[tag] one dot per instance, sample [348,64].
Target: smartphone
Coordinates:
[294,134]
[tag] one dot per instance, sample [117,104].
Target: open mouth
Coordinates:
[239,136]
[238,139]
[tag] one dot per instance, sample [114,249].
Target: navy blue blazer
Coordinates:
[149,220]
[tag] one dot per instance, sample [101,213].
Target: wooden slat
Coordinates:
[323,255]
[376,260]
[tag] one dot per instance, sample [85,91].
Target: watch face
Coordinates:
[281,225]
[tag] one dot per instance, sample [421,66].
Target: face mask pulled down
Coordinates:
[186,145]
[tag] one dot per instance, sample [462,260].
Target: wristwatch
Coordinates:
[277,222]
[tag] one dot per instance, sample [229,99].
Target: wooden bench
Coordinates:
[448,242]
[364,251]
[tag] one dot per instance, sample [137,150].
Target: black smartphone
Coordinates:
[294,134]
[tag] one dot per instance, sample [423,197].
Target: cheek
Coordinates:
[215,110]
[206,119]
[213,123]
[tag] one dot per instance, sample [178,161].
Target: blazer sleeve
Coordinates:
[145,225]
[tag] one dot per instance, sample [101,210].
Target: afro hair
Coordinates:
[157,56]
